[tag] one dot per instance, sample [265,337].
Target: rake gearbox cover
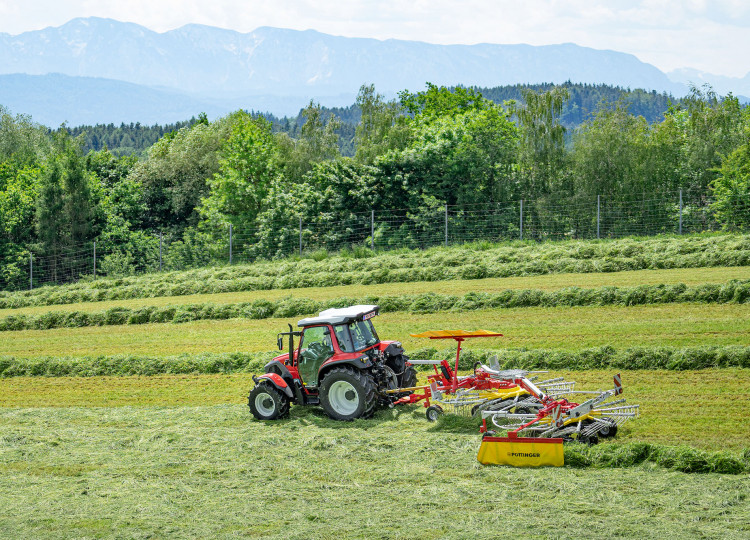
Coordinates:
[521,452]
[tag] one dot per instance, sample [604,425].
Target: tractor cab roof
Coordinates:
[342,315]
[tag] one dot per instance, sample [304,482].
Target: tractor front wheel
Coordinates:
[347,393]
[267,403]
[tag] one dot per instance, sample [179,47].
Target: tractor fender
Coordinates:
[363,362]
[276,380]
[274,366]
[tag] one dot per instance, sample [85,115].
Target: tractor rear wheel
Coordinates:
[267,403]
[347,393]
[409,378]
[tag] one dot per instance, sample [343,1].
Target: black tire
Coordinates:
[267,403]
[610,430]
[408,378]
[591,440]
[433,412]
[347,393]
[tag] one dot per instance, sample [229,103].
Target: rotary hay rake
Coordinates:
[488,388]
[515,402]
[558,420]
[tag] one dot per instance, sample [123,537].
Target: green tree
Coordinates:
[441,101]
[175,174]
[50,219]
[731,188]
[77,205]
[707,128]
[542,141]
[382,127]
[247,166]
[317,142]
[609,152]
[456,159]
[333,202]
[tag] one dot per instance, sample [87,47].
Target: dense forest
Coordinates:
[428,150]
[584,100]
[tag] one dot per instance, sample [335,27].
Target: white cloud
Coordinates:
[711,36]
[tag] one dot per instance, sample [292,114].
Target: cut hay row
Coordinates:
[734,292]
[607,357]
[569,329]
[472,261]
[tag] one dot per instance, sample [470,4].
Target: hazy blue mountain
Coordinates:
[54,99]
[200,68]
[212,61]
[720,83]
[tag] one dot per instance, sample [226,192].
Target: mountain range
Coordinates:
[93,70]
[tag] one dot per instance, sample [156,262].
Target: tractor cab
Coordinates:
[339,363]
[336,335]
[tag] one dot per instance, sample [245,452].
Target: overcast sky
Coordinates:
[708,36]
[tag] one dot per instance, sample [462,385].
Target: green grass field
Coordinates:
[667,399]
[688,276]
[180,455]
[212,471]
[678,325]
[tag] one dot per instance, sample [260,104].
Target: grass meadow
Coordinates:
[688,276]
[212,471]
[180,456]
[678,325]
[669,414]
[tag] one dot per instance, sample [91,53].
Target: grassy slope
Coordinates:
[212,471]
[668,399]
[469,261]
[575,328]
[688,276]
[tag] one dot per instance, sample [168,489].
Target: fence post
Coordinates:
[597,215]
[680,210]
[94,259]
[372,230]
[161,240]
[446,224]
[300,236]
[31,270]
[521,220]
[230,243]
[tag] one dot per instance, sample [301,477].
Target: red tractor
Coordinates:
[340,364]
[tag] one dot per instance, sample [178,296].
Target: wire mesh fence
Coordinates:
[536,220]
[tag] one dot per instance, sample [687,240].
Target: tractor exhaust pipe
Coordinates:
[291,344]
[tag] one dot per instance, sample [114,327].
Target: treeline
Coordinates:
[585,99]
[125,139]
[419,153]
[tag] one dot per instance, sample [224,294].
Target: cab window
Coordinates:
[343,337]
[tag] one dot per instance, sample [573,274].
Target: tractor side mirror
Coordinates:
[280,342]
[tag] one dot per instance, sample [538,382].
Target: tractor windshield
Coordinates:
[363,334]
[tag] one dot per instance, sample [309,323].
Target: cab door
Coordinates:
[315,348]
